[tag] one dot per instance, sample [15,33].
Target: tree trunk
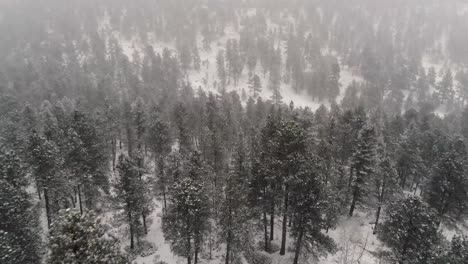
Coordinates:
[160,162]
[38,188]
[298,246]
[132,243]
[73,201]
[144,223]
[285,222]
[114,152]
[196,255]
[381,199]
[228,248]
[265,227]
[377,216]
[189,254]
[272,221]
[46,199]
[353,203]
[79,200]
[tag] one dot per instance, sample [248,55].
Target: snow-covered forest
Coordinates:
[233,131]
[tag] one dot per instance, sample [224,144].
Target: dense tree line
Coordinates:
[85,127]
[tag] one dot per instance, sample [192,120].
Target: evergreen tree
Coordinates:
[445,87]
[334,81]
[130,197]
[309,210]
[275,78]
[458,252]
[88,156]
[410,231]
[350,99]
[81,238]
[186,221]
[221,66]
[19,231]
[386,183]
[181,124]
[235,213]
[255,85]
[362,165]
[159,141]
[140,124]
[46,164]
[447,188]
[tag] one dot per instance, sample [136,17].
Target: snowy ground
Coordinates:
[207,76]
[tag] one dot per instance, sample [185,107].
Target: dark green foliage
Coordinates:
[19,231]
[447,188]
[81,238]
[310,210]
[410,231]
[131,196]
[235,213]
[186,221]
[362,165]
[457,253]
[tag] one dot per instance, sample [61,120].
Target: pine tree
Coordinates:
[255,85]
[19,231]
[386,184]
[275,78]
[222,75]
[458,252]
[186,221]
[140,124]
[362,165]
[350,98]
[81,238]
[88,156]
[283,145]
[159,141]
[445,87]
[409,163]
[235,213]
[334,81]
[46,164]
[410,231]
[447,188]
[181,124]
[309,210]
[130,197]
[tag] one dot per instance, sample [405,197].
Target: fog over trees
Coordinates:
[234,131]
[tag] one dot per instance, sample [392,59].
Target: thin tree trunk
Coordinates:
[38,188]
[196,255]
[160,161]
[285,222]
[132,242]
[265,226]
[298,246]
[79,200]
[228,248]
[353,203]
[377,219]
[377,216]
[114,152]
[73,201]
[272,221]
[144,223]
[189,255]
[46,199]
